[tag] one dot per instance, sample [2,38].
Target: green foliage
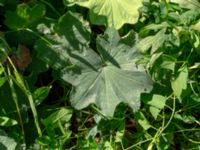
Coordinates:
[99,74]
[24,16]
[110,12]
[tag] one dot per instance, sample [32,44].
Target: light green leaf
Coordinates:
[111,13]
[111,79]
[168,62]
[6,143]
[108,146]
[157,103]
[142,120]
[2,81]
[19,80]
[41,93]
[196,26]
[120,133]
[189,17]
[154,42]
[154,111]
[6,122]
[180,83]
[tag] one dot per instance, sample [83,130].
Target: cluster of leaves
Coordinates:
[99,74]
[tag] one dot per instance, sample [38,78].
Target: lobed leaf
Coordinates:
[109,80]
[105,80]
[111,13]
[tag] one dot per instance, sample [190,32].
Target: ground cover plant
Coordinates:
[100,74]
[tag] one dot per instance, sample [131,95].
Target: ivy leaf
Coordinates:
[110,79]
[111,13]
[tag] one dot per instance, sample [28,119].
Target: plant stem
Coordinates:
[28,94]
[15,99]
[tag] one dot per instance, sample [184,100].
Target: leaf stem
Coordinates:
[21,85]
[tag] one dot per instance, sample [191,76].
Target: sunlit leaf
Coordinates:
[6,122]
[111,13]
[180,83]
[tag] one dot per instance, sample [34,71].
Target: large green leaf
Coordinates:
[105,80]
[111,13]
[111,79]
[24,15]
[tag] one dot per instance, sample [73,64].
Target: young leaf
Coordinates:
[157,103]
[109,80]
[180,83]
[196,26]
[111,13]
[142,120]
